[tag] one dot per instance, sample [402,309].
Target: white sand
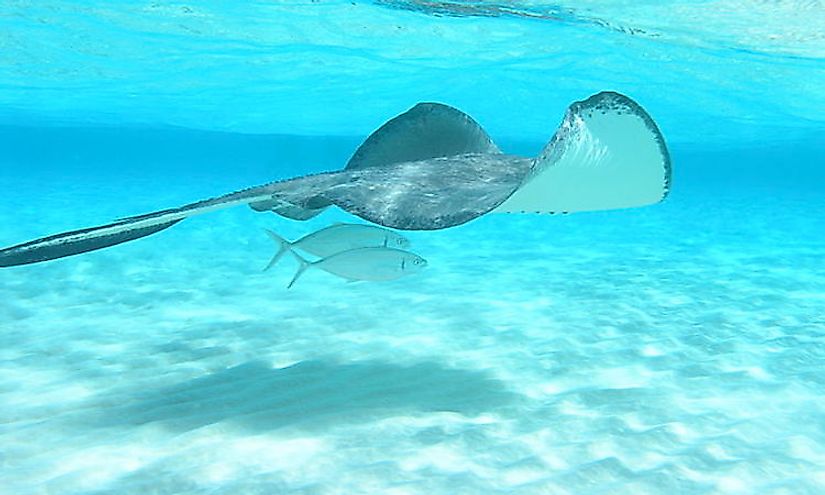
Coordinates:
[673,349]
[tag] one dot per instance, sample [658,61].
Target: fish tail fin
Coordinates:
[283,246]
[304,264]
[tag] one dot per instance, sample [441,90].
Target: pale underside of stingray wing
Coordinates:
[608,153]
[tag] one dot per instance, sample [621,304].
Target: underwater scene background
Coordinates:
[675,348]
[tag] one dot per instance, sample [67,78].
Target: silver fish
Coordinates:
[369,263]
[337,238]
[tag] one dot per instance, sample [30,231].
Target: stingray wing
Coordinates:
[607,153]
[427,130]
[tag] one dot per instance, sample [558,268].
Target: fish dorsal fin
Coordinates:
[608,153]
[427,130]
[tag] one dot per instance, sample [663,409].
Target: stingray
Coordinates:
[433,167]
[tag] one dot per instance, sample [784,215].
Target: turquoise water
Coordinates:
[675,348]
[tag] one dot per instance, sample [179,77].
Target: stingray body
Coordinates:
[434,167]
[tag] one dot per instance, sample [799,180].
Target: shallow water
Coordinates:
[676,348]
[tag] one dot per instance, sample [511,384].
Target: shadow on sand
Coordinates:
[310,394]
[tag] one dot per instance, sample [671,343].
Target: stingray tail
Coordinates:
[123,230]
[78,241]
[283,246]
[304,264]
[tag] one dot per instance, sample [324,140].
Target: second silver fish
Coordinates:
[337,238]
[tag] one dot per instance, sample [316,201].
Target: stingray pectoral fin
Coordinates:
[426,131]
[127,229]
[608,153]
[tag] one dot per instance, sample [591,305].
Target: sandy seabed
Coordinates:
[670,349]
